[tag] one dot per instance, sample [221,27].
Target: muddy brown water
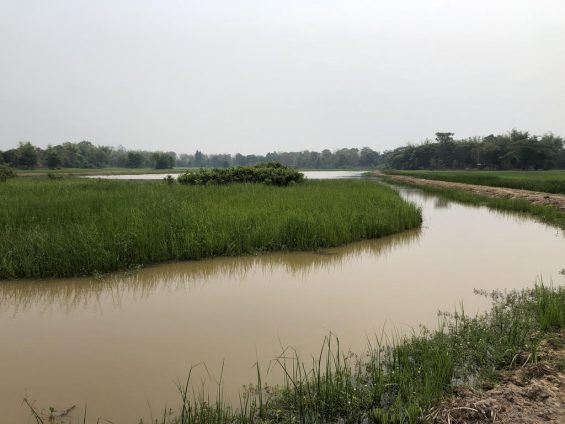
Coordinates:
[121,343]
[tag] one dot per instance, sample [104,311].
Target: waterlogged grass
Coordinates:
[69,227]
[546,181]
[397,380]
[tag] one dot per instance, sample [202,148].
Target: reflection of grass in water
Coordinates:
[70,227]
[519,209]
[81,293]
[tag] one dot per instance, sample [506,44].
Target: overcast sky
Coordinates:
[253,76]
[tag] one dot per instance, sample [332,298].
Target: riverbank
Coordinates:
[506,365]
[503,366]
[70,227]
[549,208]
[536,197]
[529,394]
[552,181]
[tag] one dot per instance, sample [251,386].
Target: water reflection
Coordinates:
[121,341]
[422,197]
[82,293]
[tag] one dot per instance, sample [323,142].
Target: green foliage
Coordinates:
[398,379]
[271,173]
[514,150]
[25,156]
[163,160]
[53,159]
[170,180]
[545,181]
[135,160]
[75,227]
[5,173]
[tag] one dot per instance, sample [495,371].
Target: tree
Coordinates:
[26,156]
[53,158]
[368,157]
[135,160]
[443,137]
[199,159]
[163,160]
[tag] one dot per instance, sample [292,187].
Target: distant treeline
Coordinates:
[513,150]
[86,155]
[83,155]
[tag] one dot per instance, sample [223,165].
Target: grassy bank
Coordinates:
[547,214]
[69,227]
[396,380]
[545,181]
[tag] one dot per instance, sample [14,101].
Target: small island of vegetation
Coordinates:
[272,173]
[70,226]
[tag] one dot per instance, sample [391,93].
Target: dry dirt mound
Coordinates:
[548,199]
[533,394]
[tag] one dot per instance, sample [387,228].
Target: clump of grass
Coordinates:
[398,380]
[545,181]
[272,173]
[69,227]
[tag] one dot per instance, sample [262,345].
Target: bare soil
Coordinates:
[535,393]
[538,197]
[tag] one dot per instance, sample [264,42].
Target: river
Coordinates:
[121,343]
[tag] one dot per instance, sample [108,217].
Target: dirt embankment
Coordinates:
[535,393]
[547,199]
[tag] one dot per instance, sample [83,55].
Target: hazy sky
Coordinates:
[262,75]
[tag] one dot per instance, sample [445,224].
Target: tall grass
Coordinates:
[545,181]
[69,227]
[397,380]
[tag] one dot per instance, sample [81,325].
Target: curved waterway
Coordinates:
[122,342]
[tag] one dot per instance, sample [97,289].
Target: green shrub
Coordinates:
[5,173]
[272,173]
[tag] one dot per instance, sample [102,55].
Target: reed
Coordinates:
[69,227]
[398,379]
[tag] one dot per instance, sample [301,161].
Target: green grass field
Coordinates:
[69,227]
[546,181]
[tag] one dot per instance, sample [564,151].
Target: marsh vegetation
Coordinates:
[398,379]
[69,227]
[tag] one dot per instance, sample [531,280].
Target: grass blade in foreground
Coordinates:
[398,381]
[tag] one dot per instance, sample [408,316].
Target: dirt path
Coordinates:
[534,393]
[556,200]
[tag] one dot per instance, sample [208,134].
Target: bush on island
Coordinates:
[272,173]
